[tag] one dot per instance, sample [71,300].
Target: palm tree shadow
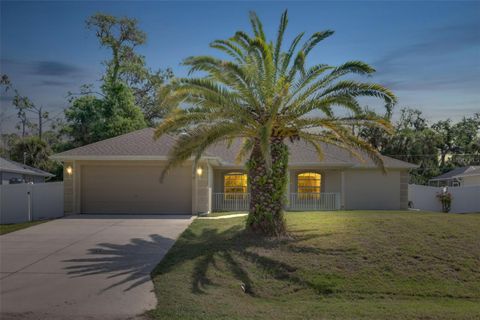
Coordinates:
[236,248]
[131,263]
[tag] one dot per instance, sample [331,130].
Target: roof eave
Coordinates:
[60,157]
[30,173]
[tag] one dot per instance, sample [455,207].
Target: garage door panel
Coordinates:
[135,189]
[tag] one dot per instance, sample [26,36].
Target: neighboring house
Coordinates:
[13,172]
[122,175]
[463,176]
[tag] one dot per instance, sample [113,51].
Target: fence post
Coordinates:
[29,203]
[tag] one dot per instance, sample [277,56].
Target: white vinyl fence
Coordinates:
[29,202]
[464,199]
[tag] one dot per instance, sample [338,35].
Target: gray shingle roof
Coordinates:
[138,143]
[12,166]
[141,144]
[458,172]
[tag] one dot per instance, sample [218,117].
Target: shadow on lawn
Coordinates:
[236,248]
[131,263]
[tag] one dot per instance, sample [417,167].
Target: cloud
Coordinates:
[445,58]
[43,68]
[55,83]
[439,42]
[463,79]
[55,68]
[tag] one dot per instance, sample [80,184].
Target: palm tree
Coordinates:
[266,96]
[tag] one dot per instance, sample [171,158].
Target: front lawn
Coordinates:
[7,228]
[342,265]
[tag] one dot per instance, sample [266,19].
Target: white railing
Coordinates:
[314,201]
[230,201]
[296,201]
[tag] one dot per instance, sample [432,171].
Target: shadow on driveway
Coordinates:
[131,262]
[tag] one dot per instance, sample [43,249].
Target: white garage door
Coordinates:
[135,190]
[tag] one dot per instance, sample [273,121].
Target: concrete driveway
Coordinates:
[84,266]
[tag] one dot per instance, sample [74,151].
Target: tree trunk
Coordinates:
[267,189]
[40,123]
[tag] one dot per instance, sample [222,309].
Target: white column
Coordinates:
[287,191]
[194,189]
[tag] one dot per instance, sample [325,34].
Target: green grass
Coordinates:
[342,265]
[7,228]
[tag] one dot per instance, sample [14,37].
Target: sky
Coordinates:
[428,53]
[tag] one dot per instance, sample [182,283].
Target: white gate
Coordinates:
[28,202]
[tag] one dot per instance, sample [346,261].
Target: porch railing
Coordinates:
[230,201]
[314,201]
[296,201]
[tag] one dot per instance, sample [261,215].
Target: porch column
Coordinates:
[68,188]
[203,181]
[287,191]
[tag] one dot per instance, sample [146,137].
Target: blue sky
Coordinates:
[428,53]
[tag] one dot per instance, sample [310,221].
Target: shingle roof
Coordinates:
[141,144]
[12,166]
[459,172]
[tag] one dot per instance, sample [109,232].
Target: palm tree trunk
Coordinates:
[267,189]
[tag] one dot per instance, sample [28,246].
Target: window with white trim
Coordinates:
[235,185]
[309,183]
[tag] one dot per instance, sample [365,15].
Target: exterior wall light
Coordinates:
[199,171]
[69,170]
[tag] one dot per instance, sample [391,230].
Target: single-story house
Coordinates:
[122,175]
[13,172]
[463,176]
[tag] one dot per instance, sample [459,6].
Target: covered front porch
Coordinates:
[308,190]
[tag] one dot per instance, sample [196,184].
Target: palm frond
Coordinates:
[247,146]
[356,89]
[256,25]
[315,39]
[278,44]
[193,143]
[287,56]
[229,48]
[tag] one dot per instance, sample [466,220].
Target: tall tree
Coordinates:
[467,141]
[95,116]
[445,143]
[414,141]
[34,152]
[7,141]
[24,107]
[122,36]
[84,120]
[266,95]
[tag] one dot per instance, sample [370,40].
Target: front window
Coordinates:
[235,185]
[309,184]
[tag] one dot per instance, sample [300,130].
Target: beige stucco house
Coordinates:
[122,175]
[12,172]
[467,176]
